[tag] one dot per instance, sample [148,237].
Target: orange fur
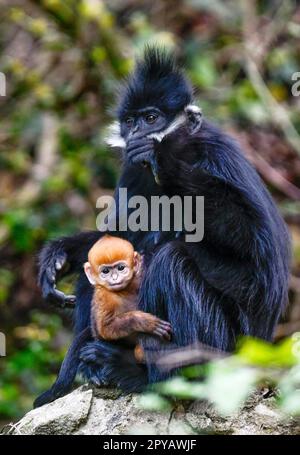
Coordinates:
[110,249]
[114,312]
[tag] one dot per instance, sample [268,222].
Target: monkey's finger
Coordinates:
[165,324]
[59,294]
[138,139]
[162,333]
[55,296]
[142,157]
[137,142]
[61,300]
[167,332]
[158,332]
[65,301]
[139,150]
[137,146]
[167,329]
[168,337]
[70,300]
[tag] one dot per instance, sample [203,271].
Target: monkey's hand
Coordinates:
[140,149]
[133,322]
[53,264]
[153,325]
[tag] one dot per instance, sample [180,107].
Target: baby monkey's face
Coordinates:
[115,276]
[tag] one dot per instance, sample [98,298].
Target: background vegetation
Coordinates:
[63,60]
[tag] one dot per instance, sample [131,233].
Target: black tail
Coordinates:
[67,371]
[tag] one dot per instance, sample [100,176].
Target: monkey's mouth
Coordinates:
[117,285]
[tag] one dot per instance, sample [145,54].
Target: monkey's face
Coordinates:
[143,122]
[112,263]
[139,129]
[115,277]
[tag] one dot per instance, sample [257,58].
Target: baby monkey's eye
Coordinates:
[151,118]
[105,270]
[121,267]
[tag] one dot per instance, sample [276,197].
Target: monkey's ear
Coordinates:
[137,262]
[89,273]
[194,118]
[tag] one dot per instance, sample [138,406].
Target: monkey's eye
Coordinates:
[151,118]
[105,270]
[129,122]
[121,267]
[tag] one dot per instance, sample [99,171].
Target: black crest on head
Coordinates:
[158,82]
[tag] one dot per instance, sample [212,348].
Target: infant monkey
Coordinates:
[114,269]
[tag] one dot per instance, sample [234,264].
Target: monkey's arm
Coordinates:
[132,322]
[213,166]
[61,257]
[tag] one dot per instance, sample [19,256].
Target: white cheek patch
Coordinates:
[177,122]
[114,138]
[193,109]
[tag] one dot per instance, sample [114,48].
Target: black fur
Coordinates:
[156,82]
[67,371]
[233,283]
[98,363]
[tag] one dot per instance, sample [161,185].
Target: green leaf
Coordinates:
[258,352]
[229,385]
[181,388]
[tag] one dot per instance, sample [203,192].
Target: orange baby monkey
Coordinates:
[114,269]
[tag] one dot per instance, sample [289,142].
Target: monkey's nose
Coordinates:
[134,130]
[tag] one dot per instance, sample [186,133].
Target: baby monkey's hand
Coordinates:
[162,329]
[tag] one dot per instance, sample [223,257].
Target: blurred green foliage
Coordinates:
[229,381]
[30,369]
[64,60]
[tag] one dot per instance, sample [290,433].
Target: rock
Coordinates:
[63,416]
[106,411]
[259,416]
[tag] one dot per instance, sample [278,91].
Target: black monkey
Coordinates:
[233,282]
